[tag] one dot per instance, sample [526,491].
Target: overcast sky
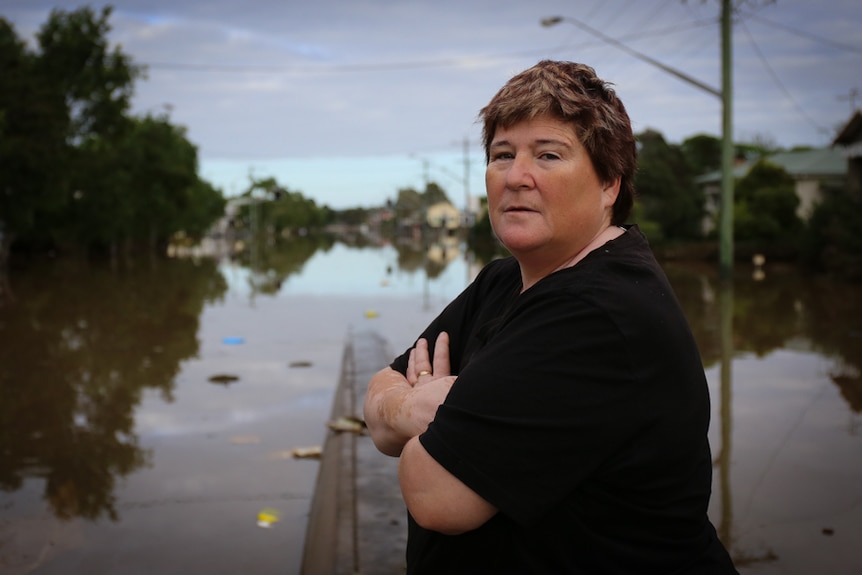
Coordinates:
[348,101]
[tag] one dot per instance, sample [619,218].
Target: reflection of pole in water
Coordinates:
[726,302]
[725,527]
[426,298]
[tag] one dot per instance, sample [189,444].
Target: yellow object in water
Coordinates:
[267,517]
[370,314]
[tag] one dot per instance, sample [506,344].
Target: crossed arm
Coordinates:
[397,409]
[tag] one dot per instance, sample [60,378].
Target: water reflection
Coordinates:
[270,263]
[783,310]
[784,356]
[80,345]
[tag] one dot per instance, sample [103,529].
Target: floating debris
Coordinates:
[299,364]
[349,424]
[282,454]
[267,517]
[233,340]
[245,439]
[313,452]
[223,378]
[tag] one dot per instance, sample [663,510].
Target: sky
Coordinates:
[348,101]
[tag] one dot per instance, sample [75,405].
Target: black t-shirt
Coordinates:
[581,413]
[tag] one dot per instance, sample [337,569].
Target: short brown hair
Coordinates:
[572,93]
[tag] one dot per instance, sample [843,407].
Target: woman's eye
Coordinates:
[502,156]
[549,156]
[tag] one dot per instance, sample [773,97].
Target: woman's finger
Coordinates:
[442,366]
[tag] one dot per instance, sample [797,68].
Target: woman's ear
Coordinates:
[610,191]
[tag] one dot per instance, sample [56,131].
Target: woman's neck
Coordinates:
[530,275]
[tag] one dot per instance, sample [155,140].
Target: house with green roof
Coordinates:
[849,143]
[813,170]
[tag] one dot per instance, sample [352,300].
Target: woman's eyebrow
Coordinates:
[542,142]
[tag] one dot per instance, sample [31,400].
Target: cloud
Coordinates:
[268,81]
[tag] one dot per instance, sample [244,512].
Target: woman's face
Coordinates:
[545,200]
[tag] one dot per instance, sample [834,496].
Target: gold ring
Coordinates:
[424,372]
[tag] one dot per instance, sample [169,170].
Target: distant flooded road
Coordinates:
[148,414]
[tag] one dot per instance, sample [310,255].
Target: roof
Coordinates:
[851,132]
[817,163]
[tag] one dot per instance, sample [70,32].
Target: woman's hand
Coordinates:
[430,380]
[421,368]
[398,408]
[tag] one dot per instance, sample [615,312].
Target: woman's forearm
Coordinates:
[386,414]
[396,411]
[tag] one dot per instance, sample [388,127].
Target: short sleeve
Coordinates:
[539,408]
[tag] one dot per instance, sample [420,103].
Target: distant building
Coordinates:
[848,143]
[812,170]
[443,215]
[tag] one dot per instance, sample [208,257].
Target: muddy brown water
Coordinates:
[148,413]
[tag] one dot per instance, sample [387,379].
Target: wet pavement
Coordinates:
[148,415]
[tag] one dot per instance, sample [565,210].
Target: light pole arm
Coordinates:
[554,20]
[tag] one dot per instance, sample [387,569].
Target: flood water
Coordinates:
[148,413]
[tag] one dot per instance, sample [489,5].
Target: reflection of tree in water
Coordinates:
[696,288]
[80,347]
[766,313]
[431,257]
[486,248]
[271,264]
[411,255]
[833,316]
[771,313]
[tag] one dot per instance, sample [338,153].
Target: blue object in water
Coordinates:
[233,340]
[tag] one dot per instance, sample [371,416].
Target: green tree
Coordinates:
[408,203]
[33,151]
[765,205]
[832,240]
[96,84]
[703,153]
[164,190]
[281,210]
[434,194]
[76,170]
[666,189]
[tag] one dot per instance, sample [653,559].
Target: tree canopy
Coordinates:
[765,204]
[78,172]
[666,190]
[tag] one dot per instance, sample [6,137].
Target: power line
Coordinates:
[777,80]
[404,65]
[850,97]
[551,21]
[804,34]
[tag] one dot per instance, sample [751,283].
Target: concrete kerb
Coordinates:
[357,522]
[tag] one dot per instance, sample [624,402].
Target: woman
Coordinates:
[553,418]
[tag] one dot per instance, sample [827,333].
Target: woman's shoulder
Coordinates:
[618,274]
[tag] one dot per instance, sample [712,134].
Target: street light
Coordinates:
[726,95]
[554,20]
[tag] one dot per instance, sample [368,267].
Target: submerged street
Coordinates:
[149,414]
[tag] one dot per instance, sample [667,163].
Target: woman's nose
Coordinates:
[520,173]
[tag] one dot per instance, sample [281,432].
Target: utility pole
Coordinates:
[467,219]
[725,230]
